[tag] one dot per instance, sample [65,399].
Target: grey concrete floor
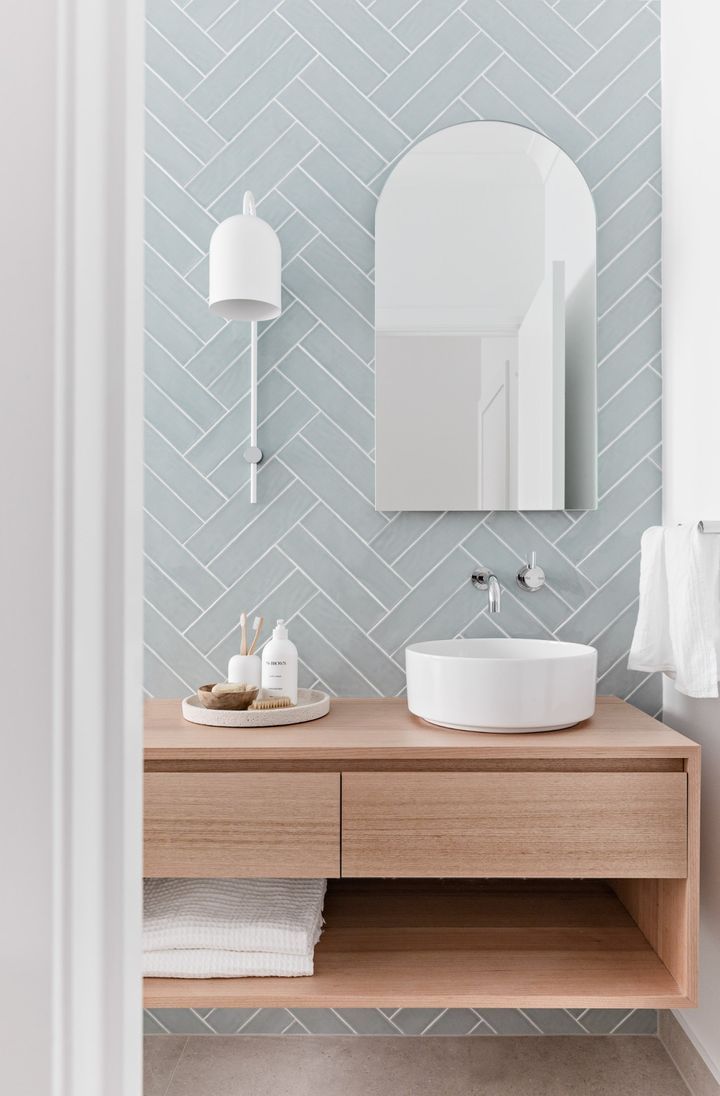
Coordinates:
[207,1065]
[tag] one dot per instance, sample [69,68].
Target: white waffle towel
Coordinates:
[231,927]
[210,963]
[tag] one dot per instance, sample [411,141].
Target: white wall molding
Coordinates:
[98,659]
[71,454]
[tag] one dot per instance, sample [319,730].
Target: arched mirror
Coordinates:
[485,315]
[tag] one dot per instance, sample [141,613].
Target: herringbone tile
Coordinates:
[310,103]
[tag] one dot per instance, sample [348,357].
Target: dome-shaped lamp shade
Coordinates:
[245,267]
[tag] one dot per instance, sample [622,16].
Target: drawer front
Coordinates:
[220,825]
[537,824]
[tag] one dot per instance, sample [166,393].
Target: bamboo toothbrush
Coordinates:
[257,625]
[243,634]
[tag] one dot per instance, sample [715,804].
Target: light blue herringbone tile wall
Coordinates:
[308,103]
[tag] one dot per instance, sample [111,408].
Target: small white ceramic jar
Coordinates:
[245,669]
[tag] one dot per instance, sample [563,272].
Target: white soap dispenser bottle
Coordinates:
[280,664]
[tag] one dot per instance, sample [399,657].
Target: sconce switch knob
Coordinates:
[253,454]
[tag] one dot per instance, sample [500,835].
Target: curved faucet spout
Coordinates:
[493,595]
[483,579]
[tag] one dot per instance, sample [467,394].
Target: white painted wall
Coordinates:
[691,354]
[28,124]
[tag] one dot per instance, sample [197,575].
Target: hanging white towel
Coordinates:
[208,928]
[678,626]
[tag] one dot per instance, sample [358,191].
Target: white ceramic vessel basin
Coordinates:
[505,685]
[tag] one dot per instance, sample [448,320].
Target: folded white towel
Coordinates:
[214,963]
[279,918]
[678,626]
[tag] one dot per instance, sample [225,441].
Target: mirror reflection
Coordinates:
[485,326]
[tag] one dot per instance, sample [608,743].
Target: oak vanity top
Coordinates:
[383,729]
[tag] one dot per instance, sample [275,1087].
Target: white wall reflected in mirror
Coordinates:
[485,314]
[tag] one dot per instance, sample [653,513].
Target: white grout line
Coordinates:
[177,140]
[605,539]
[435,610]
[189,642]
[177,407]
[337,470]
[324,15]
[342,209]
[340,385]
[175,49]
[177,586]
[626,201]
[629,335]
[221,151]
[322,365]
[269,593]
[187,463]
[526,1017]
[243,440]
[532,33]
[266,373]
[339,653]
[268,59]
[396,559]
[575,30]
[622,434]
[628,245]
[647,364]
[435,74]
[334,287]
[324,324]
[341,565]
[190,688]
[627,292]
[248,167]
[597,51]
[188,107]
[607,582]
[204,30]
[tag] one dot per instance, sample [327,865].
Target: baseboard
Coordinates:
[688,1060]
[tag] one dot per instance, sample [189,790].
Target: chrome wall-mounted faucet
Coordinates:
[483,579]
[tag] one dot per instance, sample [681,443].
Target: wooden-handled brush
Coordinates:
[257,625]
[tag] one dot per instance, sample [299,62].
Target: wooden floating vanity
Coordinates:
[557,869]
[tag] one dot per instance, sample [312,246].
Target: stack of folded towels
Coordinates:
[231,928]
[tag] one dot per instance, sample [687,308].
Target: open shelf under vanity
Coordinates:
[603,817]
[452,943]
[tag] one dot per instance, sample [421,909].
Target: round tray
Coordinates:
[311,704]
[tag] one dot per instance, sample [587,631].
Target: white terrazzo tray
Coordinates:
[311,704]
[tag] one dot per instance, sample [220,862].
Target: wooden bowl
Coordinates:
[229,702]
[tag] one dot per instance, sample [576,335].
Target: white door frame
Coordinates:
[70,955]
[99,547]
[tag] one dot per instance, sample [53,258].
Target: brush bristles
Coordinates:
[271,702]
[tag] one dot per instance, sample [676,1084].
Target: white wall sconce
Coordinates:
[245,266]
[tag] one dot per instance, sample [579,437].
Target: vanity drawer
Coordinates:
[221,825]
[532,824]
